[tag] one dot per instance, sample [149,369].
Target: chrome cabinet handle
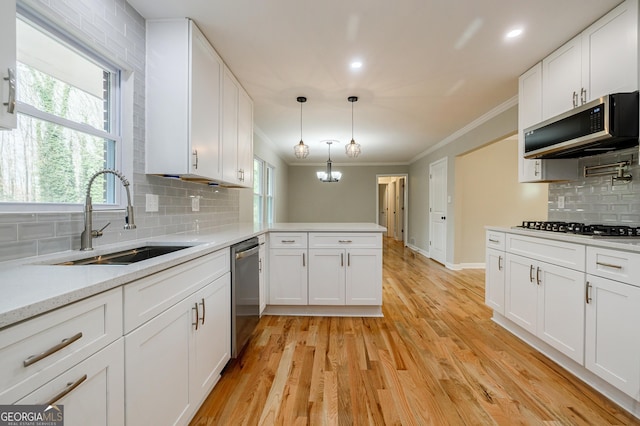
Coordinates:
[575,98]
[538,275]
[259,265]
[303,260]
[63,344]
[341,259]
[195,158]
[499,263]
[287,241]
[583,96]
[531,273]
[11,100]
[70,387]
[587,296]
[195,308]
[348,259]
[203,310]
[536,168]
[493,241]
[609,265]
[344,241]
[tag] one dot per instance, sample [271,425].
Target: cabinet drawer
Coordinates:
[614,264]
[555,252]
[288,240]
[495,240]
[341,240]
[149,296]
[77,331]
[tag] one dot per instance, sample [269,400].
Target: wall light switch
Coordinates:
[195,203]
[151,204]
[561,201]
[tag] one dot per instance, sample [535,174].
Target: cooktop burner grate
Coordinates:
[583,229]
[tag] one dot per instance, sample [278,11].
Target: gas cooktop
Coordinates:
[583,229]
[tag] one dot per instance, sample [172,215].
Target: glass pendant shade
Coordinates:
[352,149]
[300,149]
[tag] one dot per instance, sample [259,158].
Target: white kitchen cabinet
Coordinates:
[494,287]
[7,64]
[237,133]
[530,113]
[288,268]
[603,59]
[345,269]
[37,351]
[547,301]
[183,102]
[262,270]
[91,392]
[612,338]
[178,325]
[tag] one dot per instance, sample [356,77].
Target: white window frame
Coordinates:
[264,193]
[122,122]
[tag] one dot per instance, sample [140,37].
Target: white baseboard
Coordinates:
[452,266]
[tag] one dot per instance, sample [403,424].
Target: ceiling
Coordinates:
[430,67]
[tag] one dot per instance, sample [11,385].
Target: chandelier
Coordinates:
[329,175]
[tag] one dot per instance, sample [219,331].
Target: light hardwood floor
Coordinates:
[435,358]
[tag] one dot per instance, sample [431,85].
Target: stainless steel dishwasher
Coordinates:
[245,293]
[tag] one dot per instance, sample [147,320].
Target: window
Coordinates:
[68,123]
[263,191]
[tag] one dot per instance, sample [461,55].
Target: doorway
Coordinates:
[392,212]
[438,211]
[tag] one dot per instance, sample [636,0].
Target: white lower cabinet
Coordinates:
[173,360]
[262,270]
[547,301]
[345,269]
[288,276]
[91,392]
[495,280]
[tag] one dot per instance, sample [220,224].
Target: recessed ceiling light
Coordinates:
[356,65]
[514,33]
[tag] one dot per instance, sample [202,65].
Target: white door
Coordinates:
[438,210]
[382,205]
[400,210]
[391,206]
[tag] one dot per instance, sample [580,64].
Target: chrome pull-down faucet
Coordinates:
[87,236]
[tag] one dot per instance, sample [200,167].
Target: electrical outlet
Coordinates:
[561,201]
[195,203]
[151,204]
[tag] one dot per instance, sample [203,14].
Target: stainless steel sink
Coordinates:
[126,257]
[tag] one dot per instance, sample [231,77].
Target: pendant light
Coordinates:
[300,149]
[329,175]
[352,148]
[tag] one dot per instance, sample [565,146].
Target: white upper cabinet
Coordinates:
[603,59]
[530,113]
[237,136]
[7,64]
[183,101]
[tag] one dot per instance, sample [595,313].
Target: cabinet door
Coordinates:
[561,309]
[245,138]
[529,113]
[157,358]
[212,339]
[364,277]
[205,131]
[98,398]
[327,276]
[7,61]
[561,79]
[521,297]
[288,277]
[494,280]
[612,335]
[610,52]
[230,129]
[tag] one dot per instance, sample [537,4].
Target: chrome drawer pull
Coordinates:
[499,263]
[70,387]
[63,344]
[609,265]
[203,310]
[531,273]
[345,241]
[195,308]
[538,275]
[341,259]
[587,297]
[493,241]
[288,241]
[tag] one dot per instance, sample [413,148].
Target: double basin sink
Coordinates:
[126,257]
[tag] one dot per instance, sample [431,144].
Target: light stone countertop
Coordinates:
[615,243]
[35,285]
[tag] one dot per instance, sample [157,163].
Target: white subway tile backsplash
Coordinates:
[36,230]
[8,233]
[18,250]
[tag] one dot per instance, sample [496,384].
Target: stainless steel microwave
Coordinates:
[605,124]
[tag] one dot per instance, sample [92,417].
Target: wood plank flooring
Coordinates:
[435,358]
